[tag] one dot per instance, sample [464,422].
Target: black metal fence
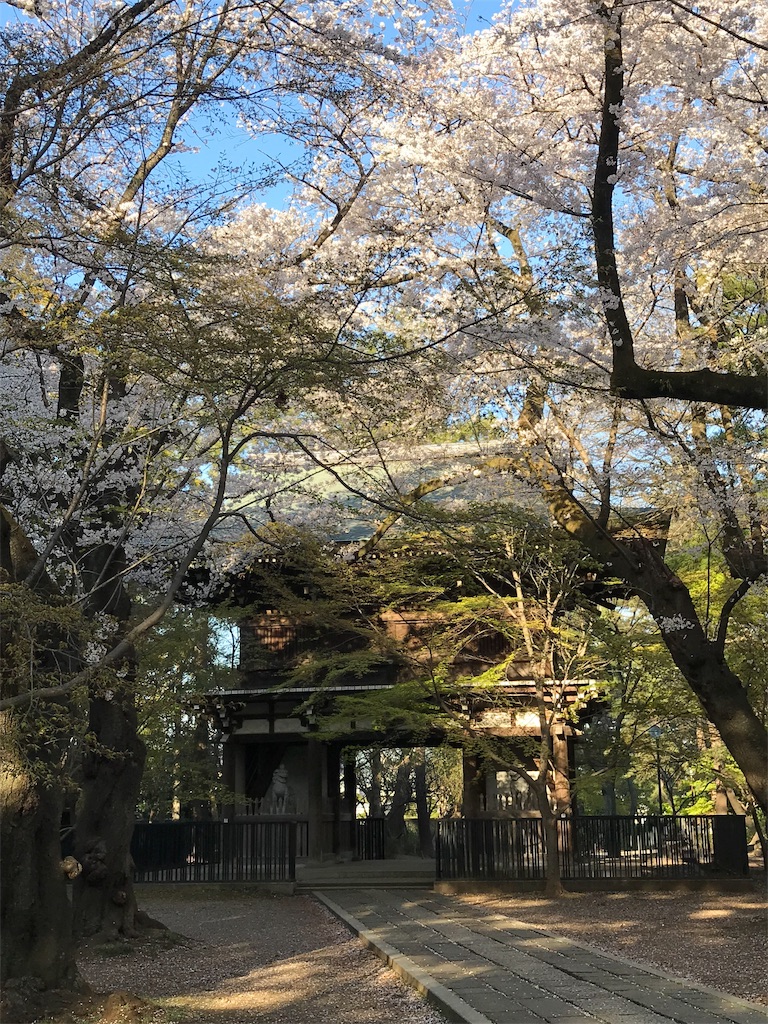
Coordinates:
[247,816]
[490,848]
[595,847]
[370,838]
[214,851]
[653,847]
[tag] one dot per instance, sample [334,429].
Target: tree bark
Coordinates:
[628,378]
[35,913]
[700,660]
[377,772]
[113,761]
[110,774]
[608,790]
[400,800]
[36,951]
[422,807]
[702,663]
[553,885]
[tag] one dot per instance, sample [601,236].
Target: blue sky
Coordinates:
[229,144]
[234,146]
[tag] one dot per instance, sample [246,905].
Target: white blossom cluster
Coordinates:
[183,361]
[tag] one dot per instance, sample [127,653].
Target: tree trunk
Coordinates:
[633,801]
[35,912]
[113,762]
[701,661]
[553,885]
[400,800]
[377,773]
[112,766]
[422,808]
[754,814]
[36,949]
[608,789]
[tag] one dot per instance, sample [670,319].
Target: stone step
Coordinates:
[359,883]
[396,872]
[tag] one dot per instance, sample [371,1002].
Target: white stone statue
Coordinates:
[280,789]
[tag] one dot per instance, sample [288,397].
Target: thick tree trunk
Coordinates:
[37,953]
[113,762]
[400,800]
[36,949]
[633,800]
[112,766]
[422,808]
[377,774]
[701,661]
[608,790]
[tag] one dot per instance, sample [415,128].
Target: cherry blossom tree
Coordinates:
[629,137]
[138,370]
[571,207]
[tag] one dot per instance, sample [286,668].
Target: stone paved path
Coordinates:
[482,967]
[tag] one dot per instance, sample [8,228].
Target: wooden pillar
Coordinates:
[334,792]
[350,787]
[228,776]
[239,778]
[233,776]
[473,803]
[573,794]
[315,779]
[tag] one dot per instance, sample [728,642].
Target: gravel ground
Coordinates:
[247,957]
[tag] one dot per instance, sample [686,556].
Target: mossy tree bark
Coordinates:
[35,912]
[113,761]
[36,950]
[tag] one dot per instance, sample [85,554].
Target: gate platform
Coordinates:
[398,872]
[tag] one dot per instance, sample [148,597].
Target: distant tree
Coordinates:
[178,665]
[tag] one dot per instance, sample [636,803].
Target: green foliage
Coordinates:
[41,640]
[618,756]
[445,617]
[377,770]
[179,664]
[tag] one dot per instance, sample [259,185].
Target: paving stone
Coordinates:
[513,993]
[699,1016]
[572,1020]
[746,1016]
[639,1018]
[506,1013]
[581,989]
[518,975]
[607,1004]
[550,1006]
[660,1003]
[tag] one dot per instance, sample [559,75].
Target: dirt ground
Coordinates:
[238,956]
